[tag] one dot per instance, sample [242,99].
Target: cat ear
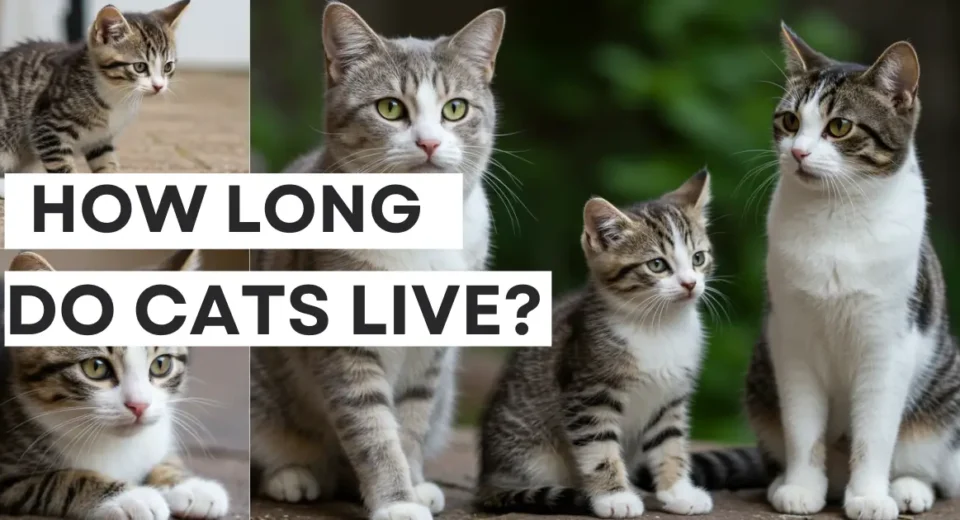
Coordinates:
[480,40]
[603,224]
[29,261]
[346,39]
[185,260]
[171,14]
[109,27]
[896,72]
[800,56]
[694,193]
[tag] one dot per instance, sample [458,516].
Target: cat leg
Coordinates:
[592,425]
[54,145]
[359,401]
[101,158]
[918,461]
[188,496]
[79,495]
[668,456]
[414,399]
[880,387]
[294,467]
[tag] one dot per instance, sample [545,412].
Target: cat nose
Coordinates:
[689,285]
[157,87]
[799,154]
[429,146]
[136,408]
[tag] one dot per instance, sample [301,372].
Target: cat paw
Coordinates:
[623,504]
[792,499]
[402,511]
[912,495]
[870,508]
[685,499]
[292,484]
[197,498]
[773,487]
[430,495]
[139,503]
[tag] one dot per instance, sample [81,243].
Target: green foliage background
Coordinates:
[623,99]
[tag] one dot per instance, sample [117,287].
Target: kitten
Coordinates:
[60,99]
[567,424]
[854,389]
[88,432]
[361,421]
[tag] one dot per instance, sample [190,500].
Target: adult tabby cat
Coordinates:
[854,389]
[566,425]
[60,99]
[361,421]
[87,432]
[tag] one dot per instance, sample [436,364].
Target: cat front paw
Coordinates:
[430,495]
[139,503]
[792,499]
[402,511]
[912,495]
[879,507]
[623,504]
[685,499]
[292,484]
[197,498]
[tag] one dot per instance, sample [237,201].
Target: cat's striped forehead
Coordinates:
[148,39]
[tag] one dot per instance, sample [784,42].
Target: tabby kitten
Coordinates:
[361,421]
[854,389]
[59,99]
[88,433]
[567,425]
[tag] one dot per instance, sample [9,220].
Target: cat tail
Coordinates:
[546,500]
[729,469]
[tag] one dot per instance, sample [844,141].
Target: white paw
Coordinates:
[792,499]
[292,484]
[870,508]
[912,495]
[430,495]
[685,499]
[197,498]
[402,511]
[623,504]
[773,487]
[139,503]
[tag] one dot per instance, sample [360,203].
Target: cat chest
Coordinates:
[129,459]
[108,126]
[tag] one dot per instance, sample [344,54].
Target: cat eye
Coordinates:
[96,369]
[790,122]
[168,68]
[839,127]
[657,265]
[455,109]
[699,258]
[140,67]
[161,366]
[391,109]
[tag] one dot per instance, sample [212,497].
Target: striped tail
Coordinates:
[731,469]
[548,500]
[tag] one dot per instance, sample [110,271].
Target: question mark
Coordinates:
[533,299]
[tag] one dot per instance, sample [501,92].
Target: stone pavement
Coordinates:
[454,472]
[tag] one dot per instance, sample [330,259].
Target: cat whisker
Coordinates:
[64,410]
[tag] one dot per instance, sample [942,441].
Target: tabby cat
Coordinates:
[567,426]
[361,421]
[60,99]
[88,433]
[854,388]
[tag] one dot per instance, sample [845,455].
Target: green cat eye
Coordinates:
[839,127]
[455,109]
[790,122]
[168,68]
[97,369]
[161,366]
[699,258]
[657,265]
[391,109]
[140,67]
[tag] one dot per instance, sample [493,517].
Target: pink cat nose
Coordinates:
[689,286]
[799,154]
[136,408]
[429,146]
[157,87]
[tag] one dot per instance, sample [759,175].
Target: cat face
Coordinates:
[118,389]
[841,122]
[409,105]
[655,253]
[136,52]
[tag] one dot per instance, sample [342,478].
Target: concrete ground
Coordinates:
[455,471]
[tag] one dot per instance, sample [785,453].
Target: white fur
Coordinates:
[402,511]
[841,266]
[139,503]
[685,499]
[292,484]
[623,504]
[197,498]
